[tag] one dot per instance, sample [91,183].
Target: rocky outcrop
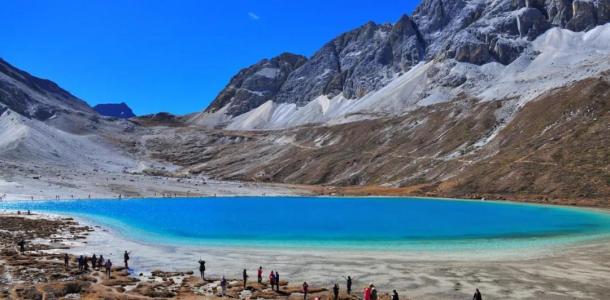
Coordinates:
[115,110]
[256,84]
[356,63]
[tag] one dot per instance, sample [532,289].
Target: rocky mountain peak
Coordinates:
[254,85]
[368,58]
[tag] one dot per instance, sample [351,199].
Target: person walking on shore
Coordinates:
[80,263]
[93,261]
[305,290]
[260,274]
[223,286]
[108,268]
[349,285]
[202,269]
[85,263]
[126,259]
[272,279]
[100,262]
[66,261]
[277,281]
[395,295]
[336,291]
[245,276]
[477,295]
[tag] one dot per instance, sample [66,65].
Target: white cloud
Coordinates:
[253,16]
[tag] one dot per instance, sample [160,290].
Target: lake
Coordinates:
[327,222]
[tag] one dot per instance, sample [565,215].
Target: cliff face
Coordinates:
[364,60]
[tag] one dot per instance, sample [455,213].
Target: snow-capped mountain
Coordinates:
[488,50]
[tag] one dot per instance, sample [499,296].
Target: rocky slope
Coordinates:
[42,124]
[451,35]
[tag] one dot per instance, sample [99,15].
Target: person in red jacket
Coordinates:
[260,274]
[272,279]
[367,292]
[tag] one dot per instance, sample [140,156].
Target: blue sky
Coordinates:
[170,56]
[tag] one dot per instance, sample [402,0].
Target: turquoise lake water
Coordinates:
[367,223]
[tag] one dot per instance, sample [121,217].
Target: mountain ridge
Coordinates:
[366,59]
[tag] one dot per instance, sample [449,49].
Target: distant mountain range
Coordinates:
[500,99]
[116,110]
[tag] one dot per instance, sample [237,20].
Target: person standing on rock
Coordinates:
[245,276]
[395,295]
[477,295]
[93,262]
[108,268]
[126,259]
[100,262]
[336,291]
[272,279]
[260,274]
[202,269]
[373,293]
[367,292]
[349,285]
[21,245]
[66,261]
[277,280]
[305,290]
[223,286]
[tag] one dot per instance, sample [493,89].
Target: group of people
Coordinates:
[97,263]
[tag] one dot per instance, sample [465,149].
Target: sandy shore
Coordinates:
[24,182]
[577,271]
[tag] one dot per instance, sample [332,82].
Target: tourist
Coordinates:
[66,261]
[21,245]
[305,290]
[85,263]
[367,292]
[336,291]
[373,293]
[93,261]
[260,274]
[100,262]
[395,295]
[108,268]
[349,285]
[245,276]
[477,295]
[223,286]
[277,280]
[80,263]
[272,279]
[126,259]
[202,269]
